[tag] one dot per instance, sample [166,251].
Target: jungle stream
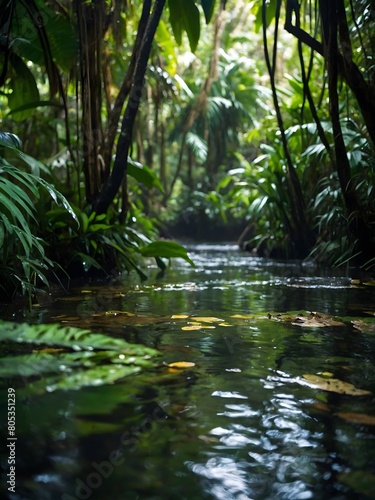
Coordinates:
[245,378]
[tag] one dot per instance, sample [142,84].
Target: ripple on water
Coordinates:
[227,479]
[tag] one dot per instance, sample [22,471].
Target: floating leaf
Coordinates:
[311,319]
[179,316]
[224,324]
[192,327]
[332,385]
[367,326]
[242,316]
[181,364]
[357,418]
[207,319]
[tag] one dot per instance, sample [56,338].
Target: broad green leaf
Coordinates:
[24,87]
[143,174]
[62,39]
[184,16]
[270,14]
[208,9]
[167,249]
[34,105]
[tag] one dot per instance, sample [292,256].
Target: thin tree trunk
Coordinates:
[114,181]
[300,233]
[114,116]
[360,230]
[90,32]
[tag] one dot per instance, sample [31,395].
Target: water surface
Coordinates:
[237,425]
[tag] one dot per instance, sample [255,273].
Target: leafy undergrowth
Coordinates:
[68,357]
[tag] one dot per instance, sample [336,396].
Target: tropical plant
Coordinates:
[100,359]
[23,260]
[340,36]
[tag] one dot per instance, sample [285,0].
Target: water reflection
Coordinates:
[238,425]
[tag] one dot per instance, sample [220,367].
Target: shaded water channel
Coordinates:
[240,424]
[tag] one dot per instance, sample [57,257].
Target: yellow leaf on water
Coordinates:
[357,418]
[181,364]
[332,385]
[191,327]
[179,316]
[208,319]
[242,316]
[224,324]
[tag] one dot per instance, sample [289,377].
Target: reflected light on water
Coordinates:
[227,479]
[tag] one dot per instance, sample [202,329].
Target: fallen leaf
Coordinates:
[179,316]
[357,418]
[242,316]
[332,385]
[312,319]
[208,319]
[224,324]
[363,326]
[192,327]
[181,364]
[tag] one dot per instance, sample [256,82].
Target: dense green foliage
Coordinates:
[212,112]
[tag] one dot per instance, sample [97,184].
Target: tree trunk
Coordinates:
[90,33]
[114,181]
[360,230]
